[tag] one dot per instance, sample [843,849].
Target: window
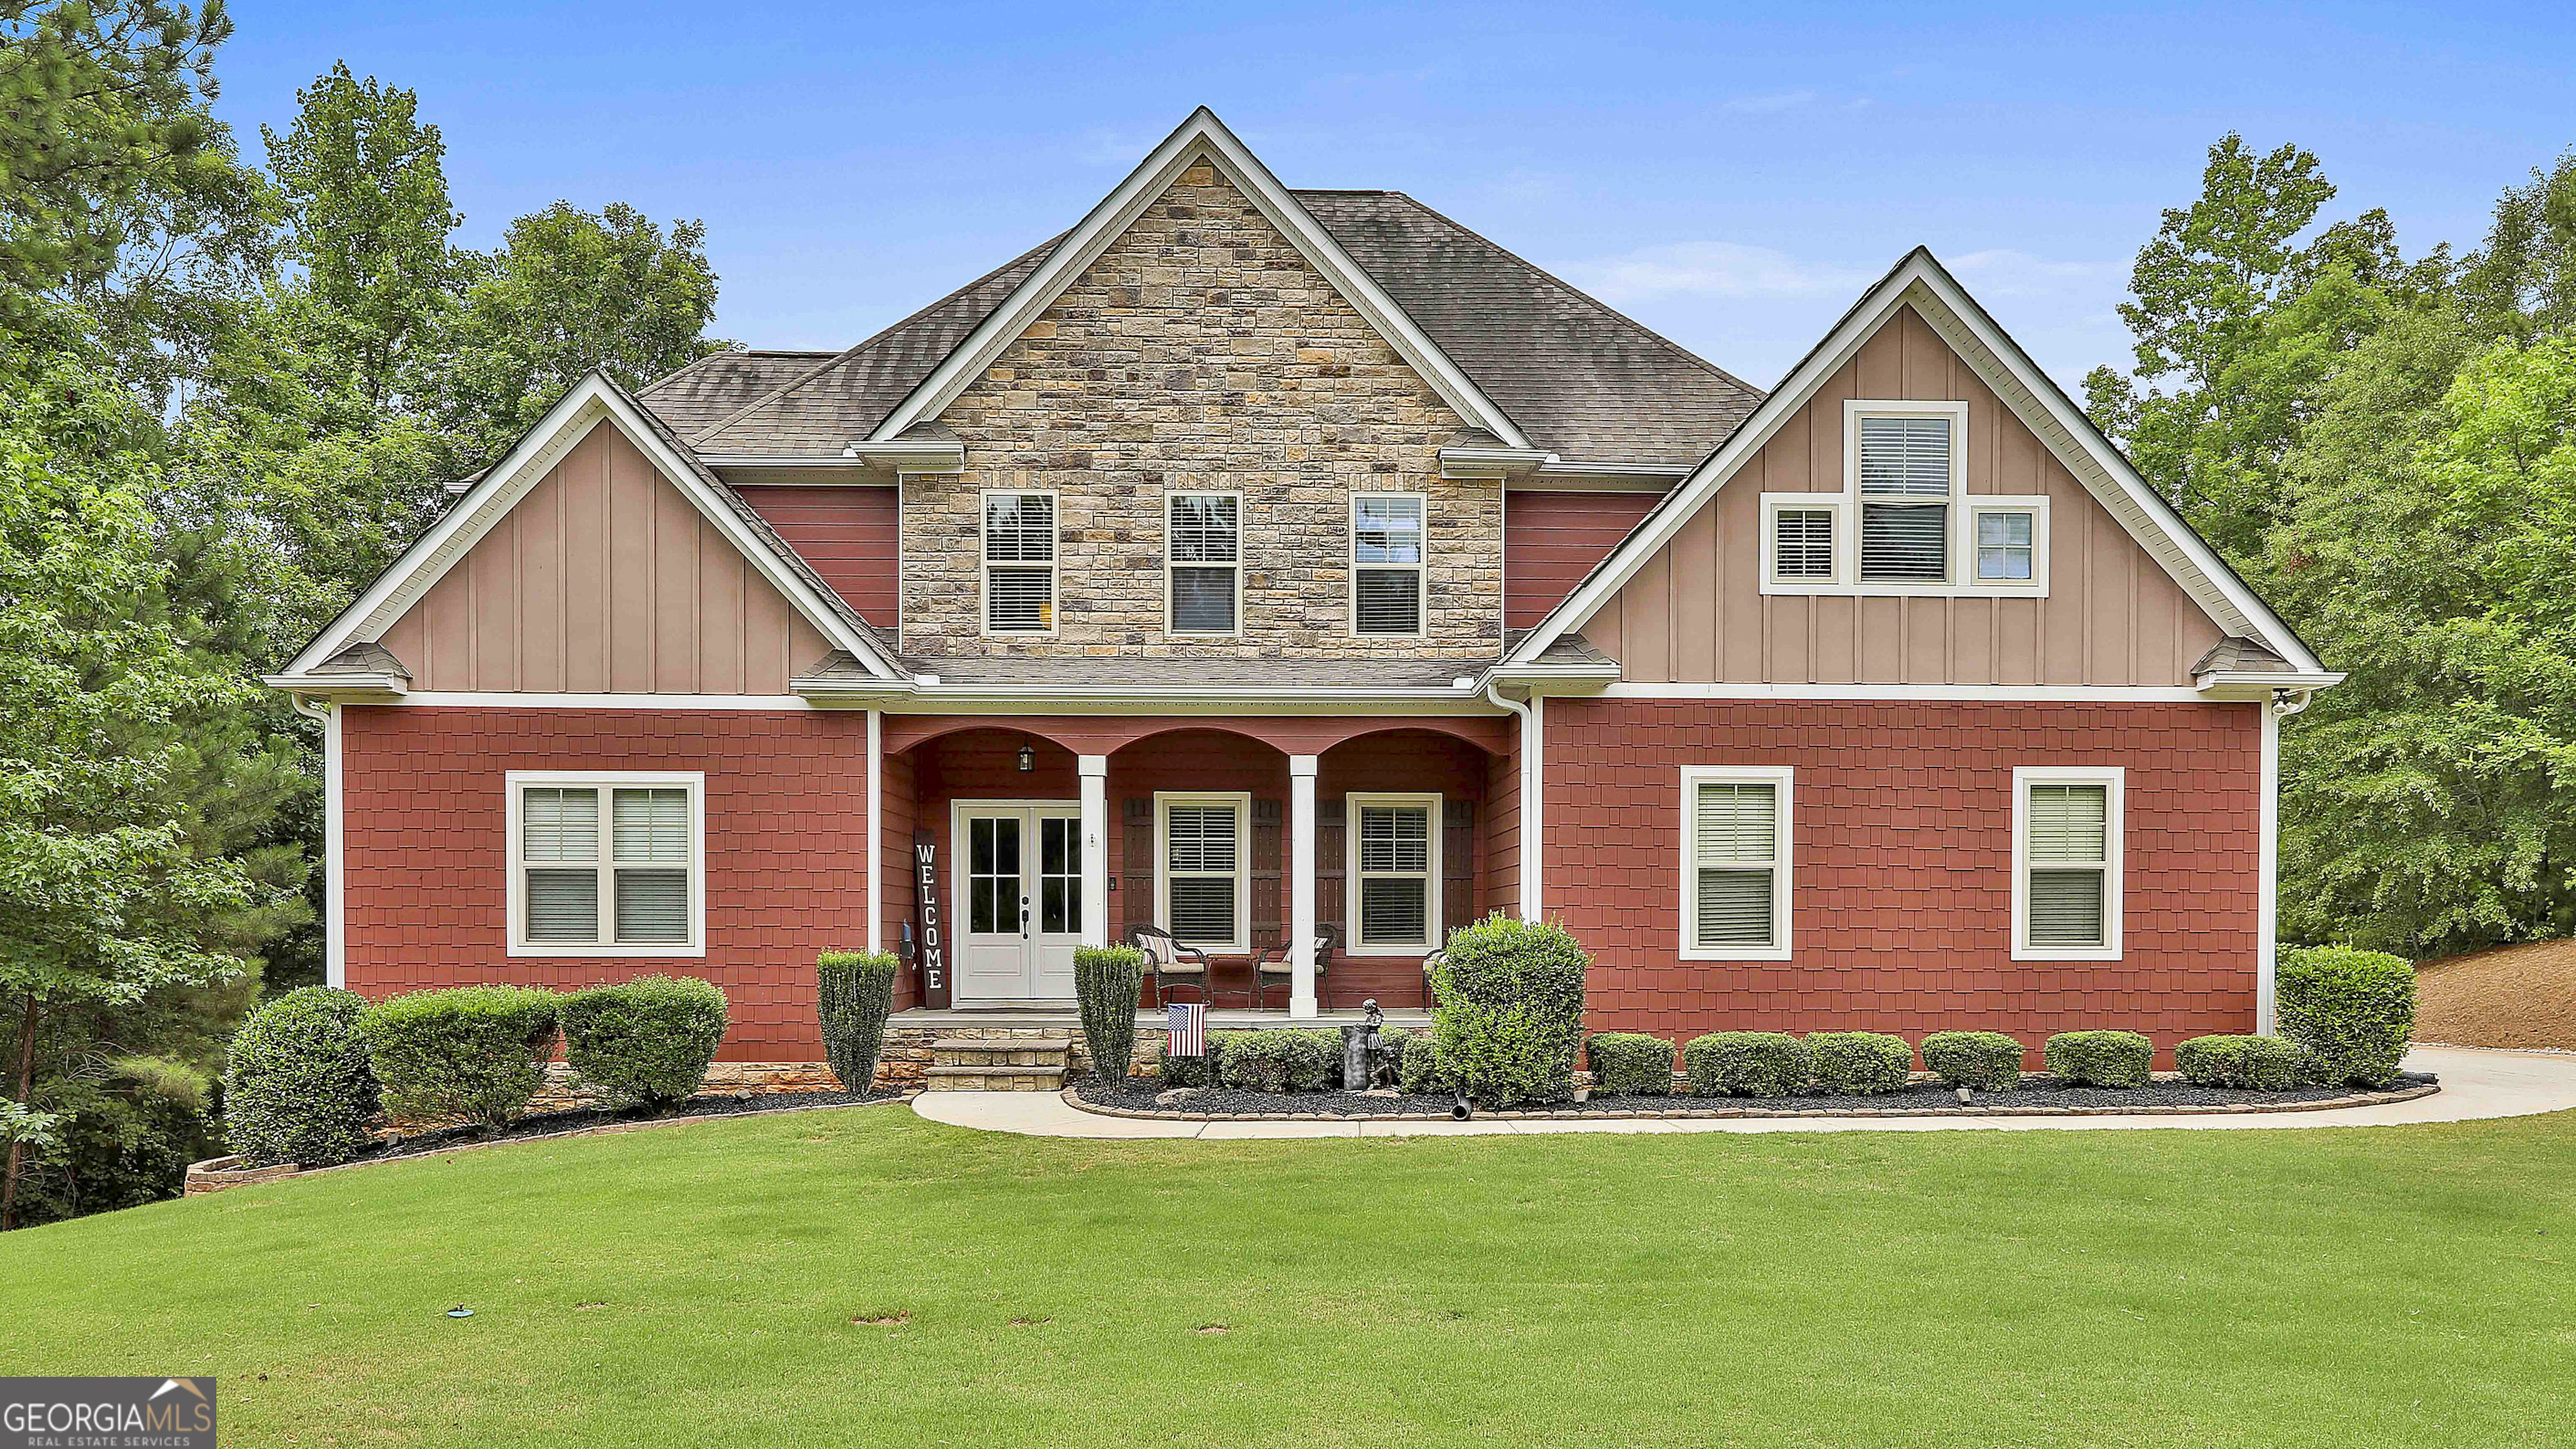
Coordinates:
[1386,563]
[1019,563]
[1798,540]
[1203,850]
[1203,556]
[1905,522]
[605,864]
[2066,864]
[2011,539]
[1395,857]
[1906,474]
[1735,864]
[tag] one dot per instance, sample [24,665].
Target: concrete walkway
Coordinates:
[2475,1084]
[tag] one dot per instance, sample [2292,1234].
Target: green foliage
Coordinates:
[855,994]
[1288,1060]
[1983,1061]
[298,1084]
[1747,1064]
[649,1039]
[1510,1012]
[2262,1063]
[1859,1063]
[1629,1062]
[2350,1010]
[476,1052]
[1198,1071]
[1420,1069]
[2100,1058]
[1106,980]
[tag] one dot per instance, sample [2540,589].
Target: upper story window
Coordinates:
[1904,522]
[1386,563]
[1019,563]
[1735,863]
[2066,864]
[1203,562]
[606,864]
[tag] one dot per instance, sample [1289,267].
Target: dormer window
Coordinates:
[1907,475]
[1386,564]
[1904,522]
[1019,563]
[1203,562]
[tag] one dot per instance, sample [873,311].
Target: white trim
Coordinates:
[589,402]
[1534,808]
[1301,885]
[519,782]
[1834,507]
[984,562]
[1973,583]
[1200,136]
[1032,884]
[1959,538]
[1170,564]
[1429,802]
[335,850]
[1242,803]
[1421,567]
[1847,566]
[659,703]
[2027,693]
[2267,866]
[1475,463]
[1092,781]
[1783,781]
[876,829]
[2115,827]
[2018,382]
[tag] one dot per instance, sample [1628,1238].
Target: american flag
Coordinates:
[1189,1028]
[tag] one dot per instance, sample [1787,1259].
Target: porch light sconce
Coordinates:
[1028,757]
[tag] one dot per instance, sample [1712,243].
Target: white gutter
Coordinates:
[1533,819]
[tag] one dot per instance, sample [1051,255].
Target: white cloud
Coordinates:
[2003,272]
[1707,269]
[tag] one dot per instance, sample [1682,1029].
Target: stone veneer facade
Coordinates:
[1202,353]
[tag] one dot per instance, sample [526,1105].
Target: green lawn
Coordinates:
[697,1285]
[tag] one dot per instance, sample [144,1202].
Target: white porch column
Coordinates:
[2267,906]
[1301,885]
[335,872]
[1533,821]
[1094,770]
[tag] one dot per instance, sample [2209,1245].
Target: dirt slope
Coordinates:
[2513,996]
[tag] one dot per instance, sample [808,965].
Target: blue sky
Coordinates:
[1730,175]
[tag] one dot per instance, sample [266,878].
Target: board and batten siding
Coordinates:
[1695,614]
[604,579]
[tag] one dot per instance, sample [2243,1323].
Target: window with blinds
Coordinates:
[606,865]
[1019,563]
[1203,552]
[1397,902]
[1203,871]
[1387,555]
[1906,480]
[1802,543]
[1736,898]
[2067,853]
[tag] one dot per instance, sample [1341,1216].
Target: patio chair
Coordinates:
[1172,964]
[1429,962]
[1273,964]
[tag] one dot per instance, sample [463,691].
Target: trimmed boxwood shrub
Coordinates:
[1983,1061]
[1510,1012]
[297,1083]
[1747,1064]
[1106,980]
[476,1052]
[1631,1062]
[2352,1011]
[854,995]
[1419,1069]
[1294,1060]
[1860,1063]
[2100,1058]
[648,1039]
[1200,1071]
[2263,1063]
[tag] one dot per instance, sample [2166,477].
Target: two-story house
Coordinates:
[1280,567]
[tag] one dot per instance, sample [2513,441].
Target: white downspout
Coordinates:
[2267,908]
[1532,821]
[335,945]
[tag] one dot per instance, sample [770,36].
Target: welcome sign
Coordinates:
[928,929]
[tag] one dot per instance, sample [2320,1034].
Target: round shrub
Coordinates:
[1747,1064]
[1281,1061]
[854,993]
[297,1084]
[1199,1071]
[2259,1063]
[1106,980]
[2100,1058]
[1420,1068]
[647,1040]
[1631,1063]
[1860,1063]
[1983,1061]
[2352,1011]
[1510,1012]
[476,1052]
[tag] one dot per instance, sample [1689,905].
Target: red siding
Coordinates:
[1902,842]
[847,533]
[1551,540]
[786,850]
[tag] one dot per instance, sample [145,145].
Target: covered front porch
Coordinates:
[1312,861]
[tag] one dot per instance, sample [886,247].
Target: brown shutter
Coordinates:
[1136,866]
[1331,864]
[1265,903]
[1457,865]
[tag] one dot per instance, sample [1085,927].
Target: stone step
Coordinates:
[999,1052]
[994,1079]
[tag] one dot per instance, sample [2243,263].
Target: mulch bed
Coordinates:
[2038,1095]
[2519,997]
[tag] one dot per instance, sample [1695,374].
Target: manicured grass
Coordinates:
[697,1285]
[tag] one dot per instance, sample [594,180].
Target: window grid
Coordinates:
[1019,563]
[1203,563]
[2066,849]
[1395,860]
[1387,564]
[604,863]
[1735,861]
[1202,867]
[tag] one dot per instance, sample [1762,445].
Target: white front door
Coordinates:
[1018,868]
